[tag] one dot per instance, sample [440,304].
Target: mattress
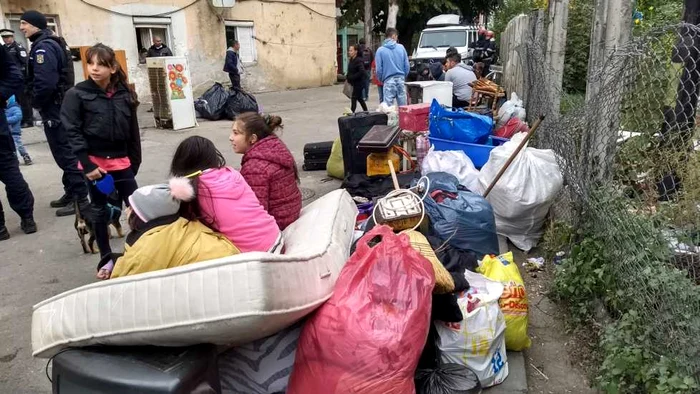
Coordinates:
[228,301]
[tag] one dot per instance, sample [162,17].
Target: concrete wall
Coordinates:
[296,47]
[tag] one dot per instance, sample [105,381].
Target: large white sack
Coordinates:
[454,162]
[522,197]
[477,342]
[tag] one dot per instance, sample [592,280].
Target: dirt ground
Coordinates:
[553,362]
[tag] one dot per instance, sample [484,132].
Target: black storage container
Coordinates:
[379,139]
[352,128]
[143,369]
[316,155]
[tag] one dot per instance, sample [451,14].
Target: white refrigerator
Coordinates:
[171,90]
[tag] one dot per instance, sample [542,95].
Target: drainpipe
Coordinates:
[3,22]
[344,45]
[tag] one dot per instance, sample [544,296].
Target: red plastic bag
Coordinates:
[511,128]
[368,337]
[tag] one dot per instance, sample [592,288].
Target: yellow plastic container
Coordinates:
[378,163]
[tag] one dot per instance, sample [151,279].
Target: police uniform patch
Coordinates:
[40,58]
[23,53]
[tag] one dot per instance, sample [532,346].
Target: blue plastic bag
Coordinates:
[456,124]
[465,222]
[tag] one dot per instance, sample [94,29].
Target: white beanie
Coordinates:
[156,201]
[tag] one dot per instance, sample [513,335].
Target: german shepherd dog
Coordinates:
[84,225]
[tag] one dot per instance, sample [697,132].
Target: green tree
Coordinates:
[578,42]
[413,14]
[509,9]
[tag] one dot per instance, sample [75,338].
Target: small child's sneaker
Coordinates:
[27,160]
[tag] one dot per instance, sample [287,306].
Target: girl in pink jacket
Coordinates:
[224,200]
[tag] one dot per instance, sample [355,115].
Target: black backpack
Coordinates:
[367,58]
[67,78]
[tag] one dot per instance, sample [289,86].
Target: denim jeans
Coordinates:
[394,89]
[365,91]
[18,144]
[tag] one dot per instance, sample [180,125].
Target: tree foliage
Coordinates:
[509,9]
[413,14]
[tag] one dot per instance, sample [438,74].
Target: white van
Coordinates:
[442,32]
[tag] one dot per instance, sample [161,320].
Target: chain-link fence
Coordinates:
[629,155]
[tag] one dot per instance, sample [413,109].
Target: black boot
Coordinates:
[4,234]
[62,202]
[69,210]
[28,226]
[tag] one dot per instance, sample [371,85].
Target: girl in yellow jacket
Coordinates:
[160,238]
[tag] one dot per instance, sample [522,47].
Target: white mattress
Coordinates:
[232,300]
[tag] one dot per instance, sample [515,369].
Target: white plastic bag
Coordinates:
[454,162]
[522,197]
[509,109]
[392,113]
[478,342]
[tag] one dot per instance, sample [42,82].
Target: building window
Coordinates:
[14,19]
[146,30]
[244,33]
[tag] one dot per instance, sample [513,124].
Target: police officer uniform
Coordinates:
[20,55]
[18,194]
[48,81]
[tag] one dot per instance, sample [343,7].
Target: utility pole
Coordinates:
[556,48]
[611,30]
[392,14]
[368,23]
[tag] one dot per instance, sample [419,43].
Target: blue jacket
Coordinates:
[13,112]
[10,83]
[391,60]
[232,59]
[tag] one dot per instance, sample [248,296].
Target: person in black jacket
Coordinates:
[158,49]
[20,55]
[231,66]
[356,77]
[49,74]
[100,118]
[18,194]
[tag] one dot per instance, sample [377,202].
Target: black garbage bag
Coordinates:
[212,104]
[447,379]
[239,102]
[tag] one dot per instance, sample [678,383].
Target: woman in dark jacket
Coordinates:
[99,115]
[356,77]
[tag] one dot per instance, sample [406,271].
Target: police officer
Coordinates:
[18,194]
[50,74]
[20,56]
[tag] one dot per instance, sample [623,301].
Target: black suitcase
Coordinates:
[316,155]
[146,370]
[352,128]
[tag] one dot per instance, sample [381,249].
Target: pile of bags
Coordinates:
[403,296]
[521,199]
[219,103]
[511,118]
[432,310]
